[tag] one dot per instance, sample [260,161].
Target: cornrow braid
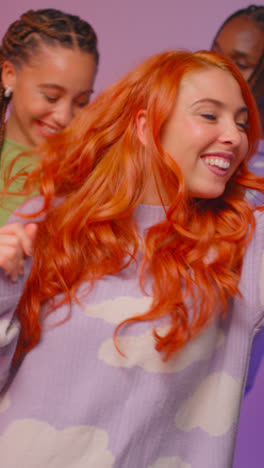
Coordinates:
[25,36]
[254,12]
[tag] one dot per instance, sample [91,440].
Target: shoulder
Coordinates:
[261,147]
[28,208]
[251,301]
[11,148]
[255,249]
[256,163]
[259,231]
[256,245]
[21,155]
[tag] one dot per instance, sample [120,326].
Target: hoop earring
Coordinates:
[8,92]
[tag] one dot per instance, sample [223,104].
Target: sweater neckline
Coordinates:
[148,215]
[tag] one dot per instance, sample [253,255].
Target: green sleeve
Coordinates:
[10,150]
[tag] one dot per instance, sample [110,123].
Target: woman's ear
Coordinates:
[141,122]
[9,74]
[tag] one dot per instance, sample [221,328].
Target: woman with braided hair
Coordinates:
[37,52]
[132,329]
[48,62]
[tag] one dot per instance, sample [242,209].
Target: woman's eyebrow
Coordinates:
[235,52]
[211,100]
[51,85]
[219,104]
[61,88]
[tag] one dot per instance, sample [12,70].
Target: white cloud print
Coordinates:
[35,444]
[119,309]
[213,407]
[140,351]
[8,331]
[170,462]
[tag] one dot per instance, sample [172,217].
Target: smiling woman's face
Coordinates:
[241,41]
[47,92]
[206,131]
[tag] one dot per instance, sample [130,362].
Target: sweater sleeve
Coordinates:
[10,293]
[259,235]
[256,262]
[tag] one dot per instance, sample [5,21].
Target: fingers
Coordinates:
[15,242]
[27,238]
[15,234]
[31,231]
[12,259]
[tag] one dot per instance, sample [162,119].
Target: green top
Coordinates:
[10,150]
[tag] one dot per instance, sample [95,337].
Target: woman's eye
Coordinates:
[243,66]
[84,99]
[83,103]
[209,116]
[50,98]
[243,125]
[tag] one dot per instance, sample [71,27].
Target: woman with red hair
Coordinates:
[126,343]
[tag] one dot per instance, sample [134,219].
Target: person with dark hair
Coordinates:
[48,62]
[241,38]
[126,343]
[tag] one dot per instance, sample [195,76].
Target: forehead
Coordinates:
[62,65]
[56,52]
[241,34]
[211,83]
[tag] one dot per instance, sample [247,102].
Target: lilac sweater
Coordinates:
[75,402]
[256,166]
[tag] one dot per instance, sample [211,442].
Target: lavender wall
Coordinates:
[128,32]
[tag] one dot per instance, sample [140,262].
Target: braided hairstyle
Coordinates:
[25,36]
[254,12]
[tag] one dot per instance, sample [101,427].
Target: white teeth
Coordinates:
[219,162]
[50,130]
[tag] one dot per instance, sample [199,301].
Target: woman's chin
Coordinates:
[214,192]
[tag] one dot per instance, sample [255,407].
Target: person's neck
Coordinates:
[151,199]
[152,195]
[13,132]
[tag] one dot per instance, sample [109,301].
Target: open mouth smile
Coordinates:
[47,130]
[218,163]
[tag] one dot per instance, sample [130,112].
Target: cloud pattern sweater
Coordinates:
[75,402]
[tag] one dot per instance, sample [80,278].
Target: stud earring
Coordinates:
[8,92]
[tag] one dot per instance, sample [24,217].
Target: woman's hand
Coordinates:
[16,241]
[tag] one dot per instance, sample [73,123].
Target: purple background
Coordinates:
[130,31]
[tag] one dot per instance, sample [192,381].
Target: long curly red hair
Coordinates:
[92,177]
